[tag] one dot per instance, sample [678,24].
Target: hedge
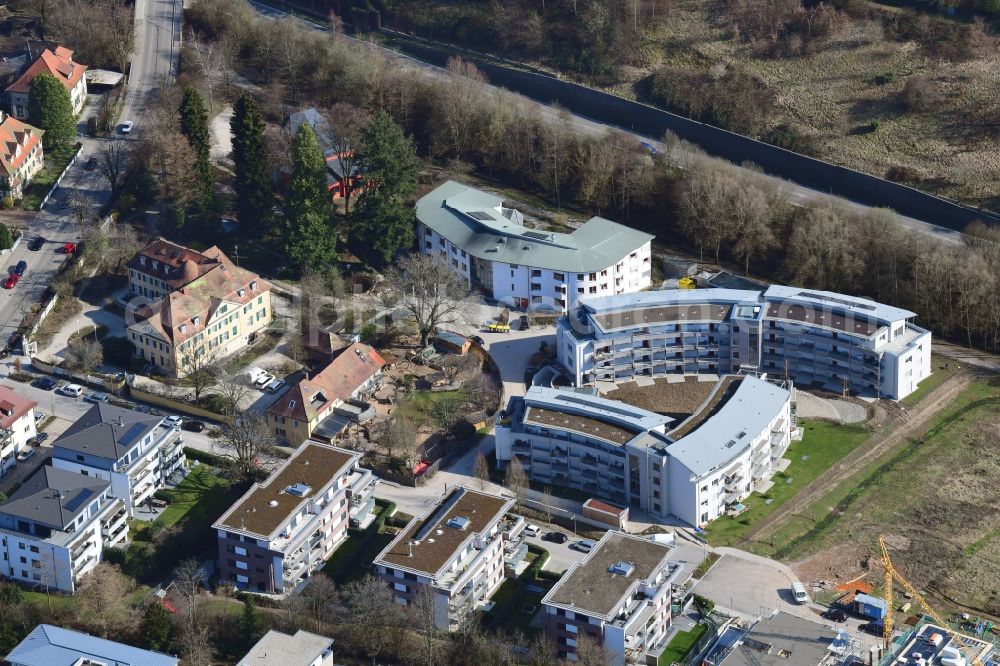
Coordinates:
[383,516]
[549,575]
[205,457]
[535,570]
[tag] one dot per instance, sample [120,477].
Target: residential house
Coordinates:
[55,526]
[323,406]
[21,155]
[619,596]
[279,649]
[47,645]
[17,426]
[820,339]
[59,63]
[781,639]
[455,552]
[284,529]
[138,453]
[204,308]
[488,245]
[337,157]
[695,469]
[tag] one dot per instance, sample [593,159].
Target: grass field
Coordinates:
[420,405]
[680,645]
[942,368]
[934,500]
[822,445]
[201,497]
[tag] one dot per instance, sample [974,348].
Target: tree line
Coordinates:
[725,213]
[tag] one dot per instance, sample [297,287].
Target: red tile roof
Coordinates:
[354,366]
[175,264]
[59,64]
[17,140]
[13,406]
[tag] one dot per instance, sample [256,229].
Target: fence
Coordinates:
[72,161]
[175,405]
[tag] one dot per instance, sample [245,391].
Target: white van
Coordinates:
[532,530]
[799,592]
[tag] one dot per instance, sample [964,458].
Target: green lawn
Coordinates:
[943,368]
[353,559]
[822,445]
[419,406]
[681,645]
[46,178]
[201,497]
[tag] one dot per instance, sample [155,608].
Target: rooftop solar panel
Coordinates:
[536,235]
[481,215]
[132,433]
[76,502]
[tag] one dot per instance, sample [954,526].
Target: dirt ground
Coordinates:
[933,498]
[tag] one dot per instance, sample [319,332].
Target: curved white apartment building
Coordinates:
[696,469]
[815,338]
[488,245]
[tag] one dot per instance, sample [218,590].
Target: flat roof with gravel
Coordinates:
[591,589]
[678,399]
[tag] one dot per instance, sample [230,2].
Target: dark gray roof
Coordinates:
[315,120]
[107,431]
[783,640]
[54,497]
[47,645]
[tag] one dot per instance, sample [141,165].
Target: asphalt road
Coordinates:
[797,194]
[157,30]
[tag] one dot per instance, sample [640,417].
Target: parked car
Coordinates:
[193,426]
[478,340]
[376,479]
[45,383]
[38,439]
[799,593]
[11,281]
[836,614]
[36,243]
[21,267]
[72,390]
[876,628]
[25,455]
[584,545]
[98,397]
[555,537]
[127,126]
[39,417]
[173,421]
[68,248]
[91,164]
[263,380]
[532,530]
[275,385]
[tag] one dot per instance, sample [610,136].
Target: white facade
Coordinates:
[816,339]
[489,246]
[14,438]
[696,470]
[137,474]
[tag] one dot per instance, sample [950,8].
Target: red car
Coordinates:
[11,280]
[69,248]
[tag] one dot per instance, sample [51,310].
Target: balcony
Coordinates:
[80,547]
[732,481]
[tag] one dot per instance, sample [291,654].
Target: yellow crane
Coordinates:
[892,575]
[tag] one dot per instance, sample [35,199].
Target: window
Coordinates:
[559,277]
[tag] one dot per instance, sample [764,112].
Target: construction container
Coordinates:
[869,606]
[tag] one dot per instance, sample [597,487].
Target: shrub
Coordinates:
[919,94]
[118,351]
[205,457]
[791,138]
[7,202]
[704,605]
[6,237]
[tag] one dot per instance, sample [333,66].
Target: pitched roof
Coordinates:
[59,64]
[13,406]
[47,645]
[279,649]
[354,366]
[175,264]
[172,317]
[54,497]
[106,431]
[478,223]
[17,139]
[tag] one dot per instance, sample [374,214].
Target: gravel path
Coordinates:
[809,406]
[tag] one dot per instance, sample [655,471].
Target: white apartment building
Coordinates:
[815,338]
[455,551]
[54,528]
[17,426]
[284,529]
[278,649]
[136,452]
[696,469]
[529,269]
[619,596]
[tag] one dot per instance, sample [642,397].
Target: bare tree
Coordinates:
[196,646]
[589,652]
[516,479]
[200,371]
[342,138]
[245,439]
[208,57]
[319,596]
[481,468]
[120,32]
[101,592]
[84,354]
[187,581]
[83,207]
[122,245]
[373,615]
[232,391]
[547,501]
[429,290]
[113,161]
[455,365]
[397,436]
[423,614]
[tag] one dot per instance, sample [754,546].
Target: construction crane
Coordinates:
[892,575]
